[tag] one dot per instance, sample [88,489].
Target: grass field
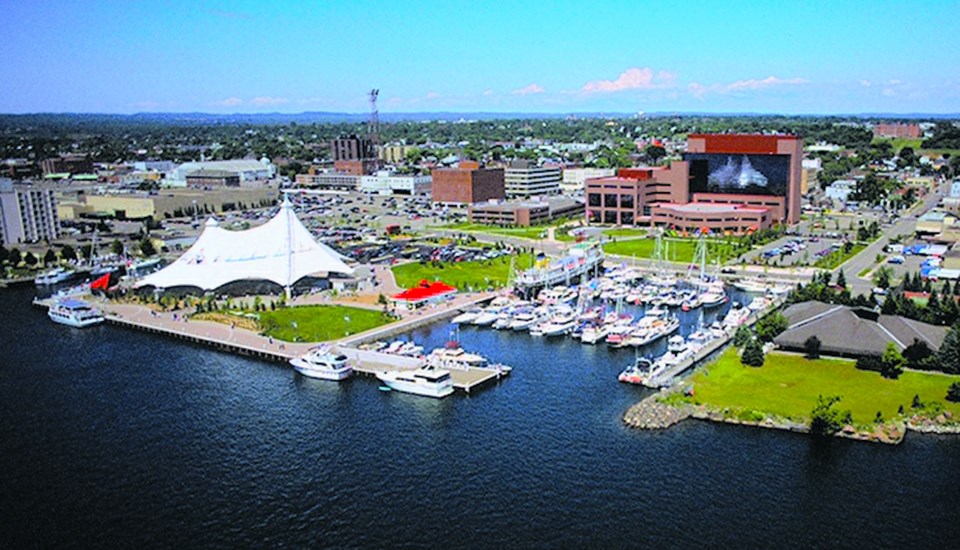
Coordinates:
[319,323]
[532,232]
[625,232]
[837,258]
[475,275]
[788,385]
[680,250]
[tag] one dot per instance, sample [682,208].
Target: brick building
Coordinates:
[911,131]
[467,184]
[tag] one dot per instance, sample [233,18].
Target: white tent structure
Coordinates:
[282,251]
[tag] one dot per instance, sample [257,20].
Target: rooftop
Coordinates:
[709,208]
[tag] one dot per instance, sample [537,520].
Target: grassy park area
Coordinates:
[679,250]
[463,275]
[319,323]
[788,385]
[836,258]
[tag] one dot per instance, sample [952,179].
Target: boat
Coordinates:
[593,334]
[677,344]
[713,298]
[453,357]
[524,320]
[636,373]
[751,285]
[488,317]
[649,331]
[561,323]
[322,363]
[54,276]
[427,380]
[74,313]
[468,316]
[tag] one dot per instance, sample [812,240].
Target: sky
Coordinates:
[782,56]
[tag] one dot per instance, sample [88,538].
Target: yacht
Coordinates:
[74,313]
[427,380]
[713,297]
[488,316]
[524,320]
[751,285]
[455,358]
[561,323]
[638,372]
[593,334]
[322,363]
[54,276]
[468,316]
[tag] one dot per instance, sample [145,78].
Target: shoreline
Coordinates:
[650,414]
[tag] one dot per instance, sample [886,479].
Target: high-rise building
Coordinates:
[524,180]
[467,184]
[28,213]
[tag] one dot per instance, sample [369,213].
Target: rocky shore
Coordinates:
[649,414]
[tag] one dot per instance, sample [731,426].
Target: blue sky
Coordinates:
[712,56]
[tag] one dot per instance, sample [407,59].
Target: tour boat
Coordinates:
[322,363]
[74,313]
[54,276]
[427,380]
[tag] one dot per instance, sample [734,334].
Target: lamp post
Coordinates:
[195,212]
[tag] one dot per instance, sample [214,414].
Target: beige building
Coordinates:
[28,213]
[394,154]
[165,204]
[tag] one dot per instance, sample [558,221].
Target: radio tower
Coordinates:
[374,128]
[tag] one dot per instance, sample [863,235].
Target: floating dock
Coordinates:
[369,363]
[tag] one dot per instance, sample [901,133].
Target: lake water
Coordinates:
[114,437]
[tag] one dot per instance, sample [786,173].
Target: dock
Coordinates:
[369,363]
[667,377]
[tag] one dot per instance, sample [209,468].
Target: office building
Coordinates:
[467,184]
[523,180]
[385,182]
[525,213]
[574,179]
[28,213]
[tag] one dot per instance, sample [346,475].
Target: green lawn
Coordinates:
[625,232]
[533,232]
[475,274]
[788,385]
[838,257]
[319,323]
[680,250]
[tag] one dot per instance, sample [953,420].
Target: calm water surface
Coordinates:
[113,437]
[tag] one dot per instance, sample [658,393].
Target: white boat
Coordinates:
[638,372]
[488,317]
[74,313]
[427,380]
[54,276]
[524,320]
[593,334]
[455,358]
[750,285]
[713,298]
[468,316]
[736,317]
[561,323]
[676,344]
[322,363]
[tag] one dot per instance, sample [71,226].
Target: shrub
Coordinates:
[812,347]
[752,354]
[953,393]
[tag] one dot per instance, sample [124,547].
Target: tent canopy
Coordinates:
[281,251]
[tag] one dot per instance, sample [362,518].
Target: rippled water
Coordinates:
[113,437]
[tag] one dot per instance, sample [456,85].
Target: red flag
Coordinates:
[102,283]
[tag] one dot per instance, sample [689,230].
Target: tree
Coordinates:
[812,347]
[841,279]
[915,354]
[742,336]
[953,393]
[891,362]
[770,326]
[881,277]
[116,247]
[15,257]
[948,356]
[4,254]
[30,259]
[146,247]
[50,257]
[752,353]
[654,153]
[68,253]
[825,420]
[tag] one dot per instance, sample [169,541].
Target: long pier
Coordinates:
[667,377]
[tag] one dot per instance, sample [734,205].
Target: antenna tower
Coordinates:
[374,126]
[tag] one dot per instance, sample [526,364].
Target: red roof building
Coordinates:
[425,293]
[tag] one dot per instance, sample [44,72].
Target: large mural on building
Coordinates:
[739,174]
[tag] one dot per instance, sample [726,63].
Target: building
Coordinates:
[28,213]
[523,180]
[839,191]
[525,213]
[954,189]
[467,184]
[139,205]
[753,169]
[627,198]
[248,171]
[70,163]
[328,179]
[935,222]
[353,155]
[853,332]
[213,178]
[17,169]
[911,131]
[385,182]
[395,154]
[711,217]
[574,179]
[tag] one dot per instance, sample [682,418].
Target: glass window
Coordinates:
[626,201]
[593,199]
[610,200]
[610,216]
[626,218]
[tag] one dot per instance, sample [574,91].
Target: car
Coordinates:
[728,270]
[880,291]
[896,259]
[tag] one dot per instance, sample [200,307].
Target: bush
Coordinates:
[825,420]
[891,363]
[869,362]
[742,336]
[771,326]
[953,393]
[812,347]
[752,354]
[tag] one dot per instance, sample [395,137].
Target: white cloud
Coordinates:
[432,95]
[262,101]
[488,93]
[532,88]
[889,92]
[698,90]
[229,102]
[894,82]
[632,79]
[865,83]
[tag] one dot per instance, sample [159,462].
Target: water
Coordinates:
[113,437]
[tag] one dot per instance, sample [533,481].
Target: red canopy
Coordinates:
[101,284]
[424,291]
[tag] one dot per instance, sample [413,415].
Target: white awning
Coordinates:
[282,251]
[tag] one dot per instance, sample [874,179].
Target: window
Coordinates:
[610,216]
[593,199]
[626,218]
[610,200]
[626,201]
